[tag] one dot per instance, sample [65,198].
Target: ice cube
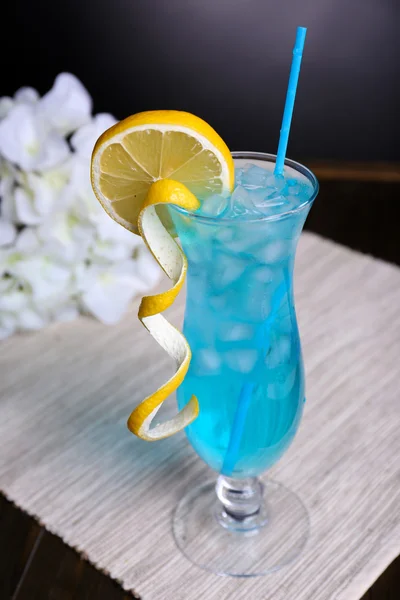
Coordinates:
[239,176]
[225,234]
[270,205]
[277,182]
[235,332]
[274,251]
[213,206]
[241,360]
[293,201]
[295,190]
[228,269]
[279,352]
[263,274]
[244,239]
[218,302]
[254,176]
[280,389]
[241,203]
[206,362]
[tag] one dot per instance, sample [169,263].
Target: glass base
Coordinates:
[264,542]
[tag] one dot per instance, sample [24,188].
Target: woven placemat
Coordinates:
[67,458]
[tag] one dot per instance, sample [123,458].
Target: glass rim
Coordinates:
[267,158]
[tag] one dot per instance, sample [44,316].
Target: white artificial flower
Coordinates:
[26,95]
[30,319]
[27,241]
[6,283]
[8,232]
[66,312]
[67,105]
[6,104]
[8,178]
[66,237]
[110,251]
[40,195]
[42,277]
[14,300]
[147,268]
[60,253]
[108,290]
[109,230]
[80,192]
[85,137]
[113,242]
[27,140]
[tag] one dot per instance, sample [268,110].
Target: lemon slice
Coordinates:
[138,166]
[153,145]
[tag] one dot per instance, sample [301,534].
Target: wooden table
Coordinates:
[358,206]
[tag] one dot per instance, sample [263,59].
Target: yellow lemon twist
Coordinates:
[139,165]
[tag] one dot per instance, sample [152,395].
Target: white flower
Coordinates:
[113,242]
[110,251]
[30,319]
[147,268]
[60,253]
[27,241]
[85,138]
[27,140]
[8,233]
[26,95]
[40,195]
[80,192]
[67,312]
[6,104]
[8,177]
[66,237]
[108,290]
[14,300]
[67,105]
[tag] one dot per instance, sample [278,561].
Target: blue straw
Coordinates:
[290,97]
[248,388]
[246,393]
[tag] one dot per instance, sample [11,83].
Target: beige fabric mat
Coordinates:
[67,457]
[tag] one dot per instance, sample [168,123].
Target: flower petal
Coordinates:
[67,105]
[29,319]
[27,240]
[108,229]
[20,136]
[111,251]
[25,209]
[112,291]
[66,313]
[25,140]
[147,268]
[55,151]
[8,233]
[26,95]
[6,104]
[85,138]
[43,195]
[14,301]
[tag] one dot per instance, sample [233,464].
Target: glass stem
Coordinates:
[240,498]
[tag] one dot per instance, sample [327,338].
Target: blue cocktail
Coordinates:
[240,321]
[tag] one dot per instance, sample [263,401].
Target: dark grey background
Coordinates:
[227,61]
